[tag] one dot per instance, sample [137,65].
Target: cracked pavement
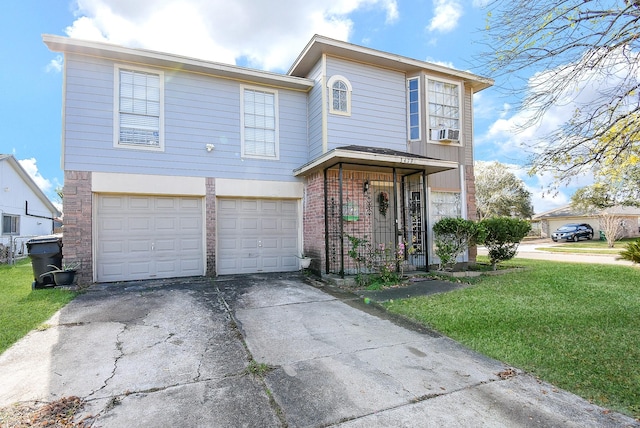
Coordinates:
[177,353]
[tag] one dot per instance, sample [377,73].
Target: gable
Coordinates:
[14,180]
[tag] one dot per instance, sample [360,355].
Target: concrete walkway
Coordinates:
[178,353]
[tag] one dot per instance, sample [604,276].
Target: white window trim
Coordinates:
[460,107]
[276,103]
[116,109]
[13,216]
[409,111]
[330,83]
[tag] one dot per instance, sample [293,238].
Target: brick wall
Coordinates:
[77,238]
[472,212]
[210,219]
[313,221]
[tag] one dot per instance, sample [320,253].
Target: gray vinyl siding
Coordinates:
[315,112]
[467,126]
[378,107]
[198,110]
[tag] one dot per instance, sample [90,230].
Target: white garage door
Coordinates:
[141,237]
[257,235]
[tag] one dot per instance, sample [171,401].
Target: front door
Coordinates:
[384,217]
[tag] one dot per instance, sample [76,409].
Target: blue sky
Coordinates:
[245,32]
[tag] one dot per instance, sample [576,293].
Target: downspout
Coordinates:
[26,212]
[425,221]
[341,222]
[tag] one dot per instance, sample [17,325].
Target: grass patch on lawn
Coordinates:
[21,308]
[568,250]
[574,325]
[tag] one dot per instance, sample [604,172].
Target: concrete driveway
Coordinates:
[178,353]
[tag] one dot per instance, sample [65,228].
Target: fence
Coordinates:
[14,248]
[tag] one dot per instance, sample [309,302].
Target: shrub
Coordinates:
[503,234]
[631,252]
[453,236]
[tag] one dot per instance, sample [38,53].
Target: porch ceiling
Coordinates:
[372,158]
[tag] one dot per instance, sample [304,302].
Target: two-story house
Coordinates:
[176,166]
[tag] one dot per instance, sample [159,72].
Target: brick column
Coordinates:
[472,212]
[210,225]
[313,221]
[77,246]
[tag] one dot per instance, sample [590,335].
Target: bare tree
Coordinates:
[585,54]
[612,226]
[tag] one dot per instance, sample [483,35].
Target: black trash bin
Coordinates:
[44,251]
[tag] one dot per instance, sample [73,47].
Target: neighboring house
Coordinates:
[25,210]
[550,221]
[176,166]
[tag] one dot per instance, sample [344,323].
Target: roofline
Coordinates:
[172,61]
[338,155]
[32,184]
[319,45]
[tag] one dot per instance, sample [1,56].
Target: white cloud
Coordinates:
[30,166]
[447,13]
[55,65]
[256,31]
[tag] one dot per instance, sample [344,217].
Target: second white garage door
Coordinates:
[257,235]
[141,237]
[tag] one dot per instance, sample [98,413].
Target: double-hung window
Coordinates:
[413,100]
[139,108]
[259,122]
[444,109]
[10,224]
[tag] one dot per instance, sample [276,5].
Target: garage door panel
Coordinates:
[139,224]
[141,237]
[139,203]
[290,243]
[259,234]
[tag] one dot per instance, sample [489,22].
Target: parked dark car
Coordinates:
[573,232]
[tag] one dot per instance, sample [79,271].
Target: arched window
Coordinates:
[339,95]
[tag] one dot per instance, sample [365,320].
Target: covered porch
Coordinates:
[365,207]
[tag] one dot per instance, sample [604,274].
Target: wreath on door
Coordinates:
[383,203]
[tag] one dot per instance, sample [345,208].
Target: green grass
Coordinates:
[574,325]
[21,308]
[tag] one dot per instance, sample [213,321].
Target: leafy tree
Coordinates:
[59,193]
[503,235]
[453,236]
[500,193]
[586,53]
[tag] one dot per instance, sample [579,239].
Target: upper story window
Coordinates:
[259,122]
[339,95]
[413,100]
[10,224]
[139,100]
[444,110]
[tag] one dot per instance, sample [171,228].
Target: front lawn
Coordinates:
[23,309]
[574,325]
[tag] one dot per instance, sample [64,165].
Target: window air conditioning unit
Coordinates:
[445,134]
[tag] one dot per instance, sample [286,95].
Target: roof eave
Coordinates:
[320,44]
[337,156]
[172,61]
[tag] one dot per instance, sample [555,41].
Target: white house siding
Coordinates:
[14,192]
[378,107]
[199,110]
